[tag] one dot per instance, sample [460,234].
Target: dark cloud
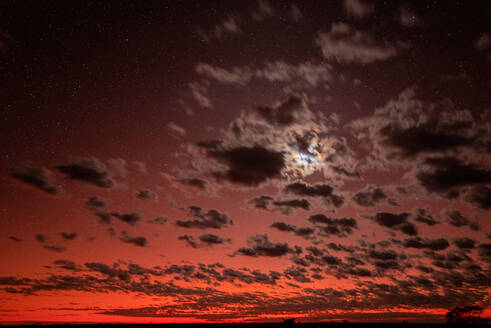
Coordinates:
[67,265]
[41,238]
[54,248]
[259,245]
[130,218]
[261,202]
[318,190]
[249,166]
[159,220]
[89,170]
[285,206]
[331,226]
[396,222]
[480,195]
[137,241]
[465,243]
[189,240]
[456,219]
[297,273]
[147,194]
[370,196]
[40,178]
[424,216]
[293,203]
[448,173]
[281,226]
[212,239]
[424,138]
[433,244]
[96,203]
[193,182]
[14,238]
[211,219]
[69,235]
[484,251]
[104,217]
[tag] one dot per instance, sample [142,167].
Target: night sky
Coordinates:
[208,161]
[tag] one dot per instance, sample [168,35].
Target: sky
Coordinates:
[244,161]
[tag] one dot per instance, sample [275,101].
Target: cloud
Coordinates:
[147,194]
[296,14]
[331,226]
[433,244]
[69,235]
[53,248]
[480,195]
[285,206]
[211,239]
[370,196]
[130,218]
[41,178]
[118,166]
[96,203]
[67,265]
[193,182]
[41,238]
[89,170]
[284,114]
[248,166]
[228,26]
[396,222]
[358,8]
[424,216]
[483,42]
[14,238]
[176,130]
[259,245]
[484,251]
[303,75]
[282,226]
[348,45]
[189,240]
[286,140]
[201,220]
[200,94]
[237,76]
[159,220]
[465,243]
[264,10]
[137,241]
[316,190]
[456,219]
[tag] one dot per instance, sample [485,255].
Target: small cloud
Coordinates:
[137,241]
[295,13]
[483,42]
[175,130]
[189,240]
[228,26]
[41,178]
[69,236]
[147,194]
[348,45]
[358,8]
[89,170]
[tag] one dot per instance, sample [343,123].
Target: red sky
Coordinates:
[240,162]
